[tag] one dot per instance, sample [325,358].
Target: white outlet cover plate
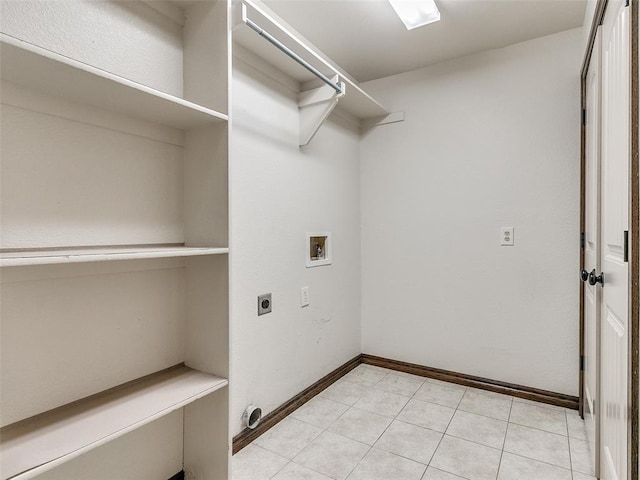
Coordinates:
[506,236]
[304,297]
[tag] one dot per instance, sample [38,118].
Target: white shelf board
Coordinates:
[45,71]
[356,101]
[98,254]
[33,446]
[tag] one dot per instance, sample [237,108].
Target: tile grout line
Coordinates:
[445,432]
[312,440]
[395,418]
[570,469]
[387,428]
[323,430]
[569,445]
[539,461]
[504,441]
[538,429]
[370,446]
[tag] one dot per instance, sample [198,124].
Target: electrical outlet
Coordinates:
[304,297]
[264,304]
[506,236]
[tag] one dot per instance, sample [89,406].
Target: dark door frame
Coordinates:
[633,444]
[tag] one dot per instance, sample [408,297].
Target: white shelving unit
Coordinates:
[99,254]
[41,443]
[114,239]
[64,77]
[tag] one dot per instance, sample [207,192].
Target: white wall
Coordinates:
[489,140]
[129,39]
[278,193]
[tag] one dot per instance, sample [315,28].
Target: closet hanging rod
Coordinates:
[338,87]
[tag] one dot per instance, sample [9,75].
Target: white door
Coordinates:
[614,221]
[592,253]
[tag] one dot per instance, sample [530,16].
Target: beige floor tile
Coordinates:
[409,375]
[538,445]
[293,471]
[409,441]
[476,428]
[539,404]
[405,386]
[288,437]
[320,411]
[446,384]
[360,425]
[425,414]
[577,427]
[581,456]
[484,403]
[514,467]
[366,375]
[582,476]
[345,392]
[376,368]
[381,465]
[446,395]
[332,455]
[256,463]
[466,459]
[330,437]
[554,421]
[381,402]
[435,474]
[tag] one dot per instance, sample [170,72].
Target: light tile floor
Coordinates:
[378,424]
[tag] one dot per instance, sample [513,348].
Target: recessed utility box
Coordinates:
[319,249]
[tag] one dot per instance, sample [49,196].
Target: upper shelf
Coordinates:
[101,254]
[355,101]
[60,76]
[36,445]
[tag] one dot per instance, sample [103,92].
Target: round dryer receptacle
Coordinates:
[252,416]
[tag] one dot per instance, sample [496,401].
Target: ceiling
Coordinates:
[368,40]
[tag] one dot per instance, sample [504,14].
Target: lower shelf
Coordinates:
[101,254]
[38,444]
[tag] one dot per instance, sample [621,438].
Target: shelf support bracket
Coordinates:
[384,120]
[315,106]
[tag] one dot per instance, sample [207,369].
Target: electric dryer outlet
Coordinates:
[264,304]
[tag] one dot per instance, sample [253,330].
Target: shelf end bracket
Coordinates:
[315,106]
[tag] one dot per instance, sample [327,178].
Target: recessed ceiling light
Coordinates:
[416,13]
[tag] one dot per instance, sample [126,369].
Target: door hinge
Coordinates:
[584,116]
[581,239]
[581,363]
[626,245]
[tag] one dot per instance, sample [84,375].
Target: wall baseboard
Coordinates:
[520,391]
[245,437]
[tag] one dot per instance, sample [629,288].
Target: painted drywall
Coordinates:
[129,39]
[490,140]
[279,192]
